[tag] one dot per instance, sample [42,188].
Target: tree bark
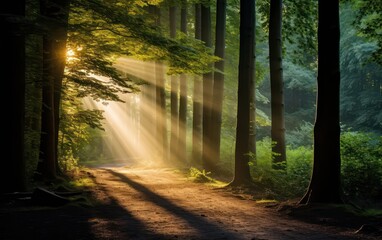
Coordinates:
[161,121]
[197,101]
[174,96]
[325,183]
[54,58]
[276,78]
[182,139]
[246,76]
[207,162]
[252,114]
[218,83]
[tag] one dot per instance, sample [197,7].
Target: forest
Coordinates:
[277,100]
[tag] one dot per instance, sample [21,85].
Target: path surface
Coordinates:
[138,203]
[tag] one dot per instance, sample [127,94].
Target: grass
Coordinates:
[202,176]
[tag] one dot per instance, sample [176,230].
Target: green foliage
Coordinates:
[227,151]
[299,23]
[74,132]
[361,169]
[368,23]
[361,82]
[299,168]
[280,184]
[300,28]
[302,136]
[94,152]
[200,176]
[299,77]
[131,31]
[361,165]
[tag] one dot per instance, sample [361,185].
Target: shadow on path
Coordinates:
[206,229]
[107,220]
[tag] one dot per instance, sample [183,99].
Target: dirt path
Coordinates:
[138,203]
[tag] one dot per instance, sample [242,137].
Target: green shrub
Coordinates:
[361,168]
[280,184]
[361,156]
[299,168]
[200,176]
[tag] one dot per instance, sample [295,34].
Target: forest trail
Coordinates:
[144,203]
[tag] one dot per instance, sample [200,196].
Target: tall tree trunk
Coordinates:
[174,95]
[60,56]
[33,91]
[13,72]
[252,111]
[277,91]
[246,74]
[46,167]
[182,150]
[325,184]
[218,84]
[161,120]
[207,91]
[54,57]
[197,111]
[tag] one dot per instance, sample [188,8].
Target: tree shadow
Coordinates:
[205,229]
[107,220]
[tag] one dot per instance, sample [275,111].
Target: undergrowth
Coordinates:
[202,176]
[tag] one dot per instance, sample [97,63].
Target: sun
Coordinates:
[71,55]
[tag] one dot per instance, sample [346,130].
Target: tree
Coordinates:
[174,80]
[207,162]
[218,83]
[183,95]
[54,57]
[160,97]
[325,181]
[197,110]
[13,72]
[276,78]
[246,75]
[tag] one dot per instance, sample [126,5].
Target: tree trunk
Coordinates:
[246,74]
[174,96]
[182,144]
[197,101]
[13,74]
[161,120]
[207,162]
[325,184]
[252,112]
[59,51]
[46,167]
[54,57]
[218,84]
[276,77]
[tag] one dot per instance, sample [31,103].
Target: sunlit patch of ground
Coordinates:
[162,203]
[169,204]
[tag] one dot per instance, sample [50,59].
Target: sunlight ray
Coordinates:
[144,70]
[130,134]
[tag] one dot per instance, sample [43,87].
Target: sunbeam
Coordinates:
[136,130]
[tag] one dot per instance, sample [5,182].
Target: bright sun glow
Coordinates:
[131,128]
[70,53]
[134,129]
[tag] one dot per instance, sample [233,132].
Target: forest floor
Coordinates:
[144,203]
